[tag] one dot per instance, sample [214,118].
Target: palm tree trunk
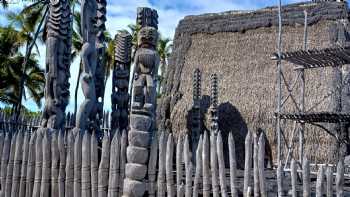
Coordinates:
[76,90]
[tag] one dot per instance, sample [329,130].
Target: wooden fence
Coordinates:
[44,163]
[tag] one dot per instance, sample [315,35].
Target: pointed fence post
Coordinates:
[179,172]
[214,165]
[248,162]
[113,165]
[123,145]
[22,185]
[152,166]
[69,184]
[261,165]
[206,160]
[31,165]
[55,164]
[294,177]
[169,166]
[221,162]
[62,163]
[77,164]
[161,166]
[233,164]
[256,165]
[320,182]
[340,179]
[306,178]
[280,179]
[46,167]
[329,177]
[17,165]
[10,165]
[94,165]
[86,165]
[188,167]
[198,171]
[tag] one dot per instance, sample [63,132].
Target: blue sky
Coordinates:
[120,13]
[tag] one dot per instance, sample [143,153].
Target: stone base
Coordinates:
[136,154]
[135,171]
[139,138]
[133,188]
[140,122]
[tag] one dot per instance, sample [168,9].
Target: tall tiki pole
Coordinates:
[143,103]
[196,111]
[120,81]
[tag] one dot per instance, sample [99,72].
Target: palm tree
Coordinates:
[164,48]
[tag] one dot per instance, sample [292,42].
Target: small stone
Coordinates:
[139,138]
[133,188]
[135,171]
[140,122]
[137,154]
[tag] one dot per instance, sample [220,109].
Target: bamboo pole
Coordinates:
[112,157]
[294,178]
[179,172]
[4,161]
[152,167]
[17,165]
[329,177]
[205,166]
[46,167]
[123,145]
[233,164]
[69,184]
[10,166]
[214,165]
[320,182]
[86,165]
[198,171]
[62,164]
[31,166]
[221,162]
[339,180]
[261,165]
[188,168]
[103,170]
[169,166]
[256,166]
[306,178]
[77,164]
[161,166]
[248,162]
[94,165]
[55,164]
[22,185]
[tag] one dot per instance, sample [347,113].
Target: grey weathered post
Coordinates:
[221,162]
[214,165]
[77,164]
[339,179]
[4,160]
[17,165]
[38,162]
[256,165]
[261,165]
[123,146]
[306,178]
[22,185]
[69,184]
[86,165]
[169,166]
[320,182]
[188,168]
[248,162]
[94,165]
[233,164]
[161,168]
[329,177]
[152,166]
[31,165]
[294,177]
[55,154]
[114,162]
[10,165]
[198,171]
[46,168]
[205,166]
[103,171]
[280,188]
[62,164]
[179,172]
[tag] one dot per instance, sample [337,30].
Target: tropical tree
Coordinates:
[164,48]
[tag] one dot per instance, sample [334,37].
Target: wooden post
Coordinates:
[329,176]
[280,179]
[319,182]
[62,164]
[306,178]
[103,169]
[233,164]
[152,166]
[340,178]
[188,167]
[214,165]
[169,166]
[94,165]
[221,162]
[22,185]
[256,165]
[161,171]
[198,171]
[294,177]
[179,172]
[46,168]
[77,164]
[69,184]
[17,165]
[86,165]
[10,165]
[123,145]
[4,161]
[248,162]
[261,165]
[205,160]
[112,157]
[55,164]
[31,166]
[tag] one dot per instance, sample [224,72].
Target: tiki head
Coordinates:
[147,37]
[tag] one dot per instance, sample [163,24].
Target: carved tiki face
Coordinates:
[147,36]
